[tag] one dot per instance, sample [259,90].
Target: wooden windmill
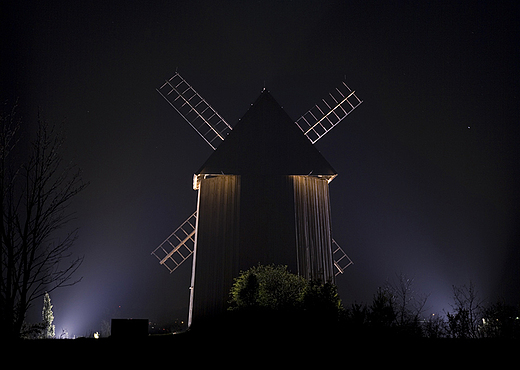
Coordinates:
[263,195]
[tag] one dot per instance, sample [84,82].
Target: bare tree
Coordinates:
[36,187]
[409,304]
[467,306]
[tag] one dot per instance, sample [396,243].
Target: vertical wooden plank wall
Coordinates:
[313,228]
[216,244]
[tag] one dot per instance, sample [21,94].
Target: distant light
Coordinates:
[469,126]
[96,335]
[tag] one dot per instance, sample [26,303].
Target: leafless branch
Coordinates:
[35,195]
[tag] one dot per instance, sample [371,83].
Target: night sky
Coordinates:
[429,164]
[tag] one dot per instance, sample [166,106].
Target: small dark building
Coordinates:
[129,328]
[263,197]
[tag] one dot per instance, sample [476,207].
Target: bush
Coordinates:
[268,287]
[272,295]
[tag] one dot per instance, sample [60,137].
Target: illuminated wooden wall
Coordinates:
[246,220]
[313,227]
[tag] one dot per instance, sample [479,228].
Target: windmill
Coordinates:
[263,194]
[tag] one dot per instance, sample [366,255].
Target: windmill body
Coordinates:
[263,195]
[263,198]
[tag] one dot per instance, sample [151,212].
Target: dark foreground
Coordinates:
[242,348]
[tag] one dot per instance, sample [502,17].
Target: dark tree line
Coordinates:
[273,298]
[394,313]
[36,187]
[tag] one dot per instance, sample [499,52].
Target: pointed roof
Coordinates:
[266,141]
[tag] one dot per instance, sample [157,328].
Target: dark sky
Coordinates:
[428,165]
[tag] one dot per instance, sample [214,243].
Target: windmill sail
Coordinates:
[328,113]
[195,110]
[340,258]
[179,246]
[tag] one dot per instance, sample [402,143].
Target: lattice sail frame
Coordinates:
[179,246]
[340,258]
[325,115]
[195,110]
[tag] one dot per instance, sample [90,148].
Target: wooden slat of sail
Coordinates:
[179,246]
[324,116]
[195,110]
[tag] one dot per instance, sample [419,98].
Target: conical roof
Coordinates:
[266,141]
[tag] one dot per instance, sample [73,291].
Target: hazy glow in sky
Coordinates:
[428,166]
